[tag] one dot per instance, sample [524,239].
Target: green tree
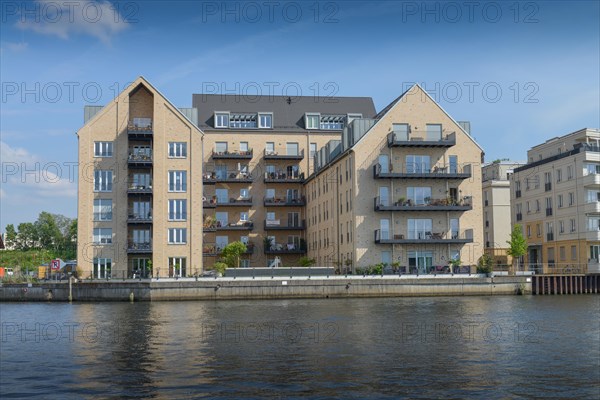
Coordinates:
[49,234]
[11,236]
[28,237]
[232,253]
[517,246]
[484,264]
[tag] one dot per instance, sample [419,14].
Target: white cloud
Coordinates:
[99,19]
[15,47]
[27,176]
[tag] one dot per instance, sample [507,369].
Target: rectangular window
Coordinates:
[569,172]
[558,175]
[420,228]
[103,180]
[292,149]
[560,201]
[418,195]
[573,253]
[571,198]
[418,164]
[177,235]
[562,253]
[102,235]
[242,121]
[177,149]
[222,218]
[312,121]
[537,205]
[177,181]
[244,147]
[434,132]
[573,226]
[221,120]
[177,210]
[103,149]
[270,148]
[561,226]
[102,267]
[400,132]
[265,120]
[313,150]
[538,230]
[102,210]
[221,147]
[177,267]
[528,230]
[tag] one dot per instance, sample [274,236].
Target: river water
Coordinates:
[450,347]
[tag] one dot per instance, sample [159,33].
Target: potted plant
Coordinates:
[454,265]
[220,268]
[400,201]
[268,243]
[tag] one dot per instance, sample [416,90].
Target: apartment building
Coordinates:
[555,197]
[497,211]
[138,199]
[258,153]
[402,187]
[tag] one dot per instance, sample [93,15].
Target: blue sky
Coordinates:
[521,72]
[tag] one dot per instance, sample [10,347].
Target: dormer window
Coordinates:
[242,121]
[312,121]
[332,122]
[221,120]
[265,120]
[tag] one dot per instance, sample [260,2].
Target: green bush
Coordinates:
[484,264]
[220,267]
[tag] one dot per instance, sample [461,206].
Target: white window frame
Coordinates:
[177,181]
[267,123]
[102,235]
[177,235]
[308,117]
[219,115]
[103,180]
[177,210]
[177,149]
[103,149]
[102,209]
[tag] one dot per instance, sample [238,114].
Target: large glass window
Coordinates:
[312,121]
[400,131]
[420,261]
[102,268]
[419,228]
[177,210]
[102,235]
[177,181]
[434,132]
[103,180]
[221,120]
[221,147]
[103,149]
[418,195]
[177,235]
[177,149]
[265,120]
[102,210]
[418,164]
[292,149]
[177,267]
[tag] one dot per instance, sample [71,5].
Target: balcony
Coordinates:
[238,226]
[139,189]
[290,248]
[139,160]
[213,177]
[445,204]
[593,234]
[232,155]
[140,129]
[517,194]
[411,172]
[274,155]
[212,250]
[139,218]
[425,237]
[284,201]
[549,236]
[396,139]
[139,248]
[212,203]
[212,227]
[276,224]
[283,177]
[591,207]
[245,202]
[548,212]
[591,180]
[547,186]
[519,216]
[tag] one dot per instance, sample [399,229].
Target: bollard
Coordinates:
[131,297]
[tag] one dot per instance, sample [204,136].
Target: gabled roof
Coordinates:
[134,86]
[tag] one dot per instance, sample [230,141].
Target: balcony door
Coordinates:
[384,226]
[384,195]
[384,163]
[420,261]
